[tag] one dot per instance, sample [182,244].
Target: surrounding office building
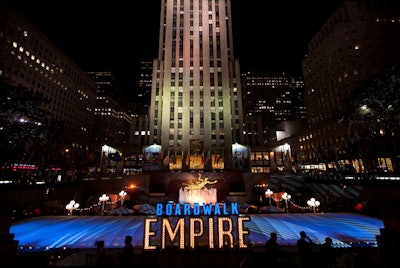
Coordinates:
[106,84]
[196,101]
[358,41]
[112,123]
[29,60]
[144,83]
[138,138]
[269,100]
[138,110]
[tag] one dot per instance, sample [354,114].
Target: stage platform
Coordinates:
[80,232]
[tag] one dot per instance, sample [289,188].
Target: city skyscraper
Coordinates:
[196,91]
[358,42]
[111,121]
[269,99]
[144,83]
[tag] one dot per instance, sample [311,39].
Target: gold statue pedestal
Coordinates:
[200,196]
[196,192]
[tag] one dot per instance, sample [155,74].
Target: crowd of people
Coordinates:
[100,258]
[309,254]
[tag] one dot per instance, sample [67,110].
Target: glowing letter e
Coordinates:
[148,233]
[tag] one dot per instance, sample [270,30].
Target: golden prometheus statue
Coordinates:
[199,183]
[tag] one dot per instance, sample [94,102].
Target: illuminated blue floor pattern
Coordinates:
[51,232]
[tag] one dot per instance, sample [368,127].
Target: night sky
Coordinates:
[117,35]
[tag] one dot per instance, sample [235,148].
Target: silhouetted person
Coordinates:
[305,246]
[326,256]
[100,254]
[272,250]
[127,252]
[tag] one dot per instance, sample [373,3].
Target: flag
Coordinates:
[173,158]
[182,158]
[148,156]
[220,156]
[216,159]
[208,158]
[234,158]
[156,157]
[117,157]
[187,159]
[160,157]
[166,160]
[106,156]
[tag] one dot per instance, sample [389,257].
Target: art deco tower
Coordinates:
[196,96]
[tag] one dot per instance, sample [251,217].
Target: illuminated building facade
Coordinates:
[196,99]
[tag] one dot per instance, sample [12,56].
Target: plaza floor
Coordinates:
[52,232]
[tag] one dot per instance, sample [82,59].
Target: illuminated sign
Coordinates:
[190,226]
[182,232]
[187,210]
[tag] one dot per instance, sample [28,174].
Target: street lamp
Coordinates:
[103,199]
[71,206]
[286,197]
[122,195]
[313,203]
[269,193]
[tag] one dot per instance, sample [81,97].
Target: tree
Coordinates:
[374,113]
[25,126]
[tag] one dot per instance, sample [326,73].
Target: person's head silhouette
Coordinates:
[128,239]
[99,243]
[303,234]
[274,236]
[328,240]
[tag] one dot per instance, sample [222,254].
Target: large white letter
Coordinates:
[222,232]
[192,230]
[242,231]
[211,232]
[166,226]
[148,233]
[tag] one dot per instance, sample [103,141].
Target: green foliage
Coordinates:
[376,102]
[23,122]
[373,119]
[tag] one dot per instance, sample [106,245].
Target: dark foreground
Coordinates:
[345,257]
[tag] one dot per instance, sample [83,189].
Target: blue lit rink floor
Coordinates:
[81,232]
